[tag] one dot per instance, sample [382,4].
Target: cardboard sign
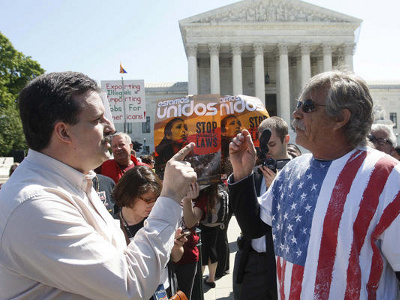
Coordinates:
[131,107]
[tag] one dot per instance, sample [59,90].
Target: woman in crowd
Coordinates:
[215,220]
[135,193]
[193,212]
[175,138]
[148,159]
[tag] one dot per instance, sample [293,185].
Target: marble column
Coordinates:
[214,68]
[192,69]
[305,64]
[237,81]
[259,73]
[283,103]
[348,56]
[327,54]
[320,63]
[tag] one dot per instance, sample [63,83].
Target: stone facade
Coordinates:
[386,97]
[264,48]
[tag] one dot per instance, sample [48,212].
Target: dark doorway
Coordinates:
[270,104]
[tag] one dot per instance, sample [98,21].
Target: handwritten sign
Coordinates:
[132,94]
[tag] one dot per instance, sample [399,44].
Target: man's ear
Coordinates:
[340,123]
[286,139]
[61,132]
[131,145]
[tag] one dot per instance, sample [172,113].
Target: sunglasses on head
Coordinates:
[308,105]
[148,201]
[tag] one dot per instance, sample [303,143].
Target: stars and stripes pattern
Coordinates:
[327,217]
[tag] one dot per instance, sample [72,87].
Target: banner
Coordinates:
[189,119]
[134,99]
[210,121]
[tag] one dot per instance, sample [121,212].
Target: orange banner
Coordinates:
[210,121]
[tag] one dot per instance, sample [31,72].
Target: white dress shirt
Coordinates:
[56,242]
[260,244]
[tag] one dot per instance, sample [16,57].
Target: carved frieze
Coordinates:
[272,11]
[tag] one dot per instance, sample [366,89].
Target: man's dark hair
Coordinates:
[274,123]
[49,99]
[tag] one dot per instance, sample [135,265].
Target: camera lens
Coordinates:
[270,163]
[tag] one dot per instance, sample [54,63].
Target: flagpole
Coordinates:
[123,101]
[122,71]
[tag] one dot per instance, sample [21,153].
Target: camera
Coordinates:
[269,162]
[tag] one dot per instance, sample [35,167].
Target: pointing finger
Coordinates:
[181,154]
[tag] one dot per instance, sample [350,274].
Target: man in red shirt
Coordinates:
[123,160]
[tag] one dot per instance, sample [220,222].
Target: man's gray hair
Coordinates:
[346,91]
[123,135]
[388,129]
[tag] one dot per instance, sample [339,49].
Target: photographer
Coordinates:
[255,261]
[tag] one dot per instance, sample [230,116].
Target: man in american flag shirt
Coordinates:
[334,212]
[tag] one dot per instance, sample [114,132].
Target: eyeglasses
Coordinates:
[148,201]
[308,105]
[379,141]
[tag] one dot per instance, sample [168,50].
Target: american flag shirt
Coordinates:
[335,226]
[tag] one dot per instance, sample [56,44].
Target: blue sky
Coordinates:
[93,36]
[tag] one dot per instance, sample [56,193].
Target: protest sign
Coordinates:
[189,119]
[134,99]
[210,121]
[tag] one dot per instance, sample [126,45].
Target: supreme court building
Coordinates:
[268,49]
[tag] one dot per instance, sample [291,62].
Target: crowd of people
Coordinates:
[317,225]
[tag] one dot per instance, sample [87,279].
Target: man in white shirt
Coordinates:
[57,239]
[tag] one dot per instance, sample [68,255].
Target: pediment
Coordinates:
[269,11]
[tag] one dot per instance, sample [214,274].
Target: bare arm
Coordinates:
[191,215]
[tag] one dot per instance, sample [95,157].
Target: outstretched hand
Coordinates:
[178,175]
[242,155]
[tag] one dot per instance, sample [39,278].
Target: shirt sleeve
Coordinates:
[266,206]
[50,241]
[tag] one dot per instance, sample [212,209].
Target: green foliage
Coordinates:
[11,134]
[16,70]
